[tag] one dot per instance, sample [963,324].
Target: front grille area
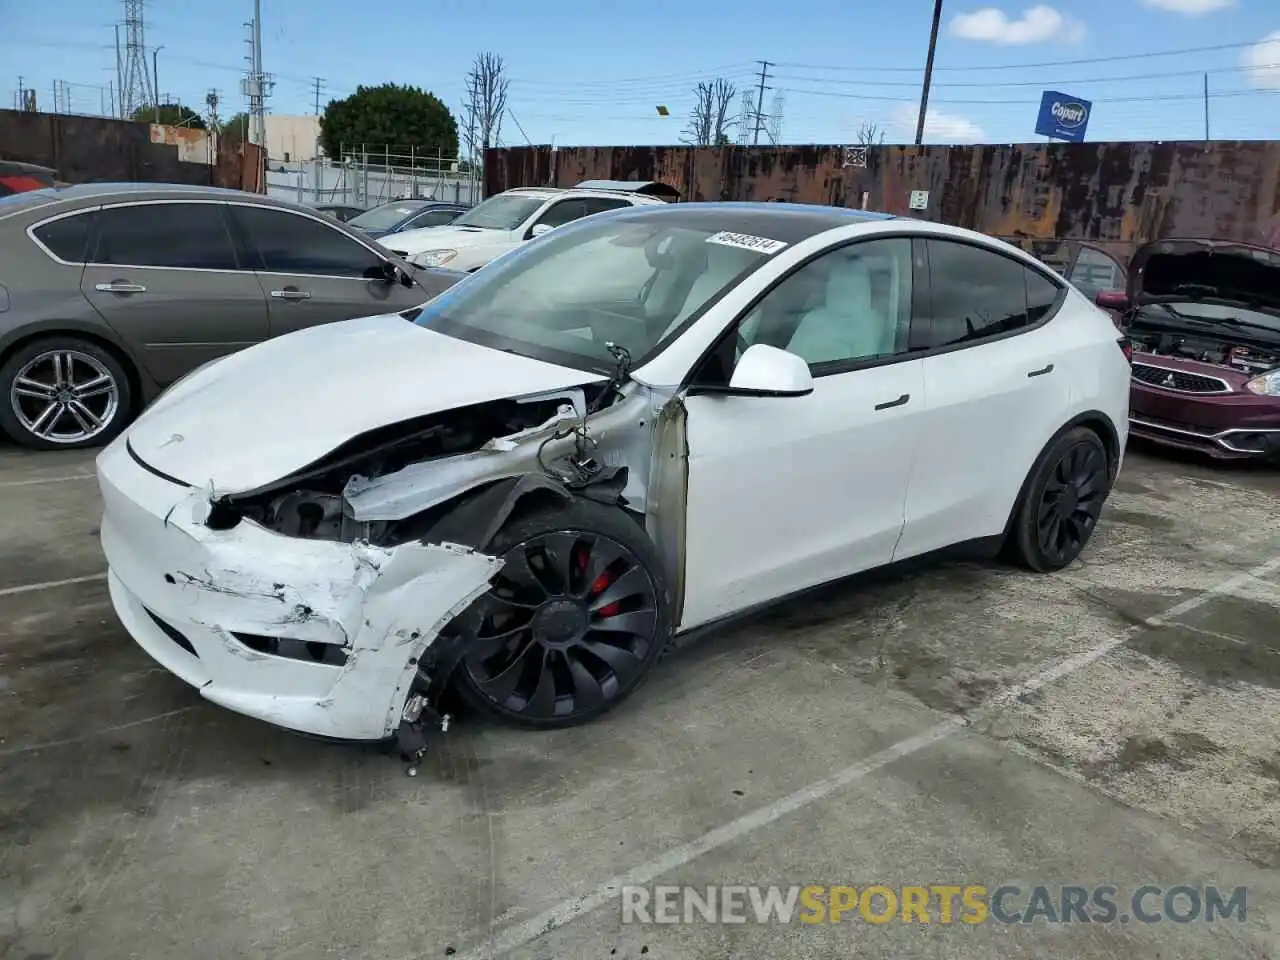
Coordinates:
[1178,380]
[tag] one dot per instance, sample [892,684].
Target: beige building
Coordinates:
[292,139]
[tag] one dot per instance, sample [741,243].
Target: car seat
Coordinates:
[848,324]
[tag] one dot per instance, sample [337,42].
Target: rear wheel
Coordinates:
[63,393]
[573,622]
[1062,502]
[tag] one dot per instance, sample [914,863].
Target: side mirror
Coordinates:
[769,372]
[1112,300]
[538,229]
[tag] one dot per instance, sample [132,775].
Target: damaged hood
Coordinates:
[1210,271]
[274,408]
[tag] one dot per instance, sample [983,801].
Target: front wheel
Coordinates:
[573,622]
[1062,502]
[63,393]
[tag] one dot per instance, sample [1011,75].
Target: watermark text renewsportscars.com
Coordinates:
[938,903]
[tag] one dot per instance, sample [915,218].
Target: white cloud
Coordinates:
[1192,8]
[1036,25]
[939,127]
[1262,62]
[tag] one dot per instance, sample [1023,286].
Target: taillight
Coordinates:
[1126,348]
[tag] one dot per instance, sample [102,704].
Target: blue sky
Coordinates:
[593,72]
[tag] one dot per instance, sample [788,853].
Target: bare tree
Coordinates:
[486,101]
[710,120]
[869,135]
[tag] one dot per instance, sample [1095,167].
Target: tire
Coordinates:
[544,623]
[91,418]
[1069,483]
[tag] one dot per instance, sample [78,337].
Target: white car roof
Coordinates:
[562,192]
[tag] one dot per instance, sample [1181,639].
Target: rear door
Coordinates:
[314,273]
[166,276]
[997,383]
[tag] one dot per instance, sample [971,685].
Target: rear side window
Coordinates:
[558,214]
[601,204]
[974,294]
[435,218]
[190,236]
[290,243]
[68,238]
[1042,296]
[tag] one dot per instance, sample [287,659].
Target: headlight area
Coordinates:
[309,503]
[1265,385]
[434,258]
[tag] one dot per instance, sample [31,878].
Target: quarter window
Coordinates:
[848,305]
[974,293]
[68,238]
[601,204]
[291,243]
[184,235]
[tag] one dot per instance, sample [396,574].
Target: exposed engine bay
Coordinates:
[1251,359]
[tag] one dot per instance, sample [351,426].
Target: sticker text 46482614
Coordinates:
[745,241]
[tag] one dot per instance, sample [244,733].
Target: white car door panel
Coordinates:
[987,418]
[788,492]
[991,405]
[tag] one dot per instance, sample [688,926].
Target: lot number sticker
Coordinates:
[744,241]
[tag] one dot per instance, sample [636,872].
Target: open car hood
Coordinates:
[261,414]
[1212,271]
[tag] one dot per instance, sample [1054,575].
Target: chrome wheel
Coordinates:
[64,397]
[568,626]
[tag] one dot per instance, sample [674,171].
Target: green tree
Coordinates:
[171,114]
[400,120]
[235,131]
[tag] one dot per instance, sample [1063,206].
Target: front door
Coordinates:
[313,273]
[788,492]
[165,276]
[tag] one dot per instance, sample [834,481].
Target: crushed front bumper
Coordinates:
[311,635]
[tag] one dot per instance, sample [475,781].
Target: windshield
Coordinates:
[1215,312]
[387,215]
[503,212]
[631,282]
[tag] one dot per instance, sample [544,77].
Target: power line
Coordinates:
[1128,78]
[1154,98]
[1215,48]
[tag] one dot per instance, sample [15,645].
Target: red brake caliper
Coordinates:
[600,585]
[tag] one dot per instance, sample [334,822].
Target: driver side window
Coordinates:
[849,305]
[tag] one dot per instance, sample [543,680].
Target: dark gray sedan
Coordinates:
[111,292]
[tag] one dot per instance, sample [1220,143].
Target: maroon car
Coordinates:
[1203,317]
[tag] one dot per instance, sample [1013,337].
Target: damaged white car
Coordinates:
[643,423]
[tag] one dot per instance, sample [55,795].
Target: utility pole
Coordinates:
[1206,107]
[256,85]
[764,75]
[155,78]
[318,81]
[928,71]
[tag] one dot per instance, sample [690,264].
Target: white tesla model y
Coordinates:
[641,423]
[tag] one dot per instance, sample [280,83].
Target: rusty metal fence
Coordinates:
[1041,196]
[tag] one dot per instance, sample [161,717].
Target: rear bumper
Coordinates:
[314,636]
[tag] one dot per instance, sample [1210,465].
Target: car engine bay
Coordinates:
[1249,359]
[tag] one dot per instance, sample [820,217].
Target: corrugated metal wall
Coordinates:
[1115,194]
[101,149]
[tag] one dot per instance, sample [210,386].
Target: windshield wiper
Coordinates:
[1220,321]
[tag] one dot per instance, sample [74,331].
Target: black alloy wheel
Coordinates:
[572,622]
[1064,501]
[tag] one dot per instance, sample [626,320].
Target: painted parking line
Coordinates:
[521,934]
[51,584]
[69,478]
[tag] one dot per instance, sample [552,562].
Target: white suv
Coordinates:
[503,222]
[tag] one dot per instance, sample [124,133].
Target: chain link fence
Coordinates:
[366,178]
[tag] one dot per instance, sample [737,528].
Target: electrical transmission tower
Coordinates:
[775,117]
[135,73]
